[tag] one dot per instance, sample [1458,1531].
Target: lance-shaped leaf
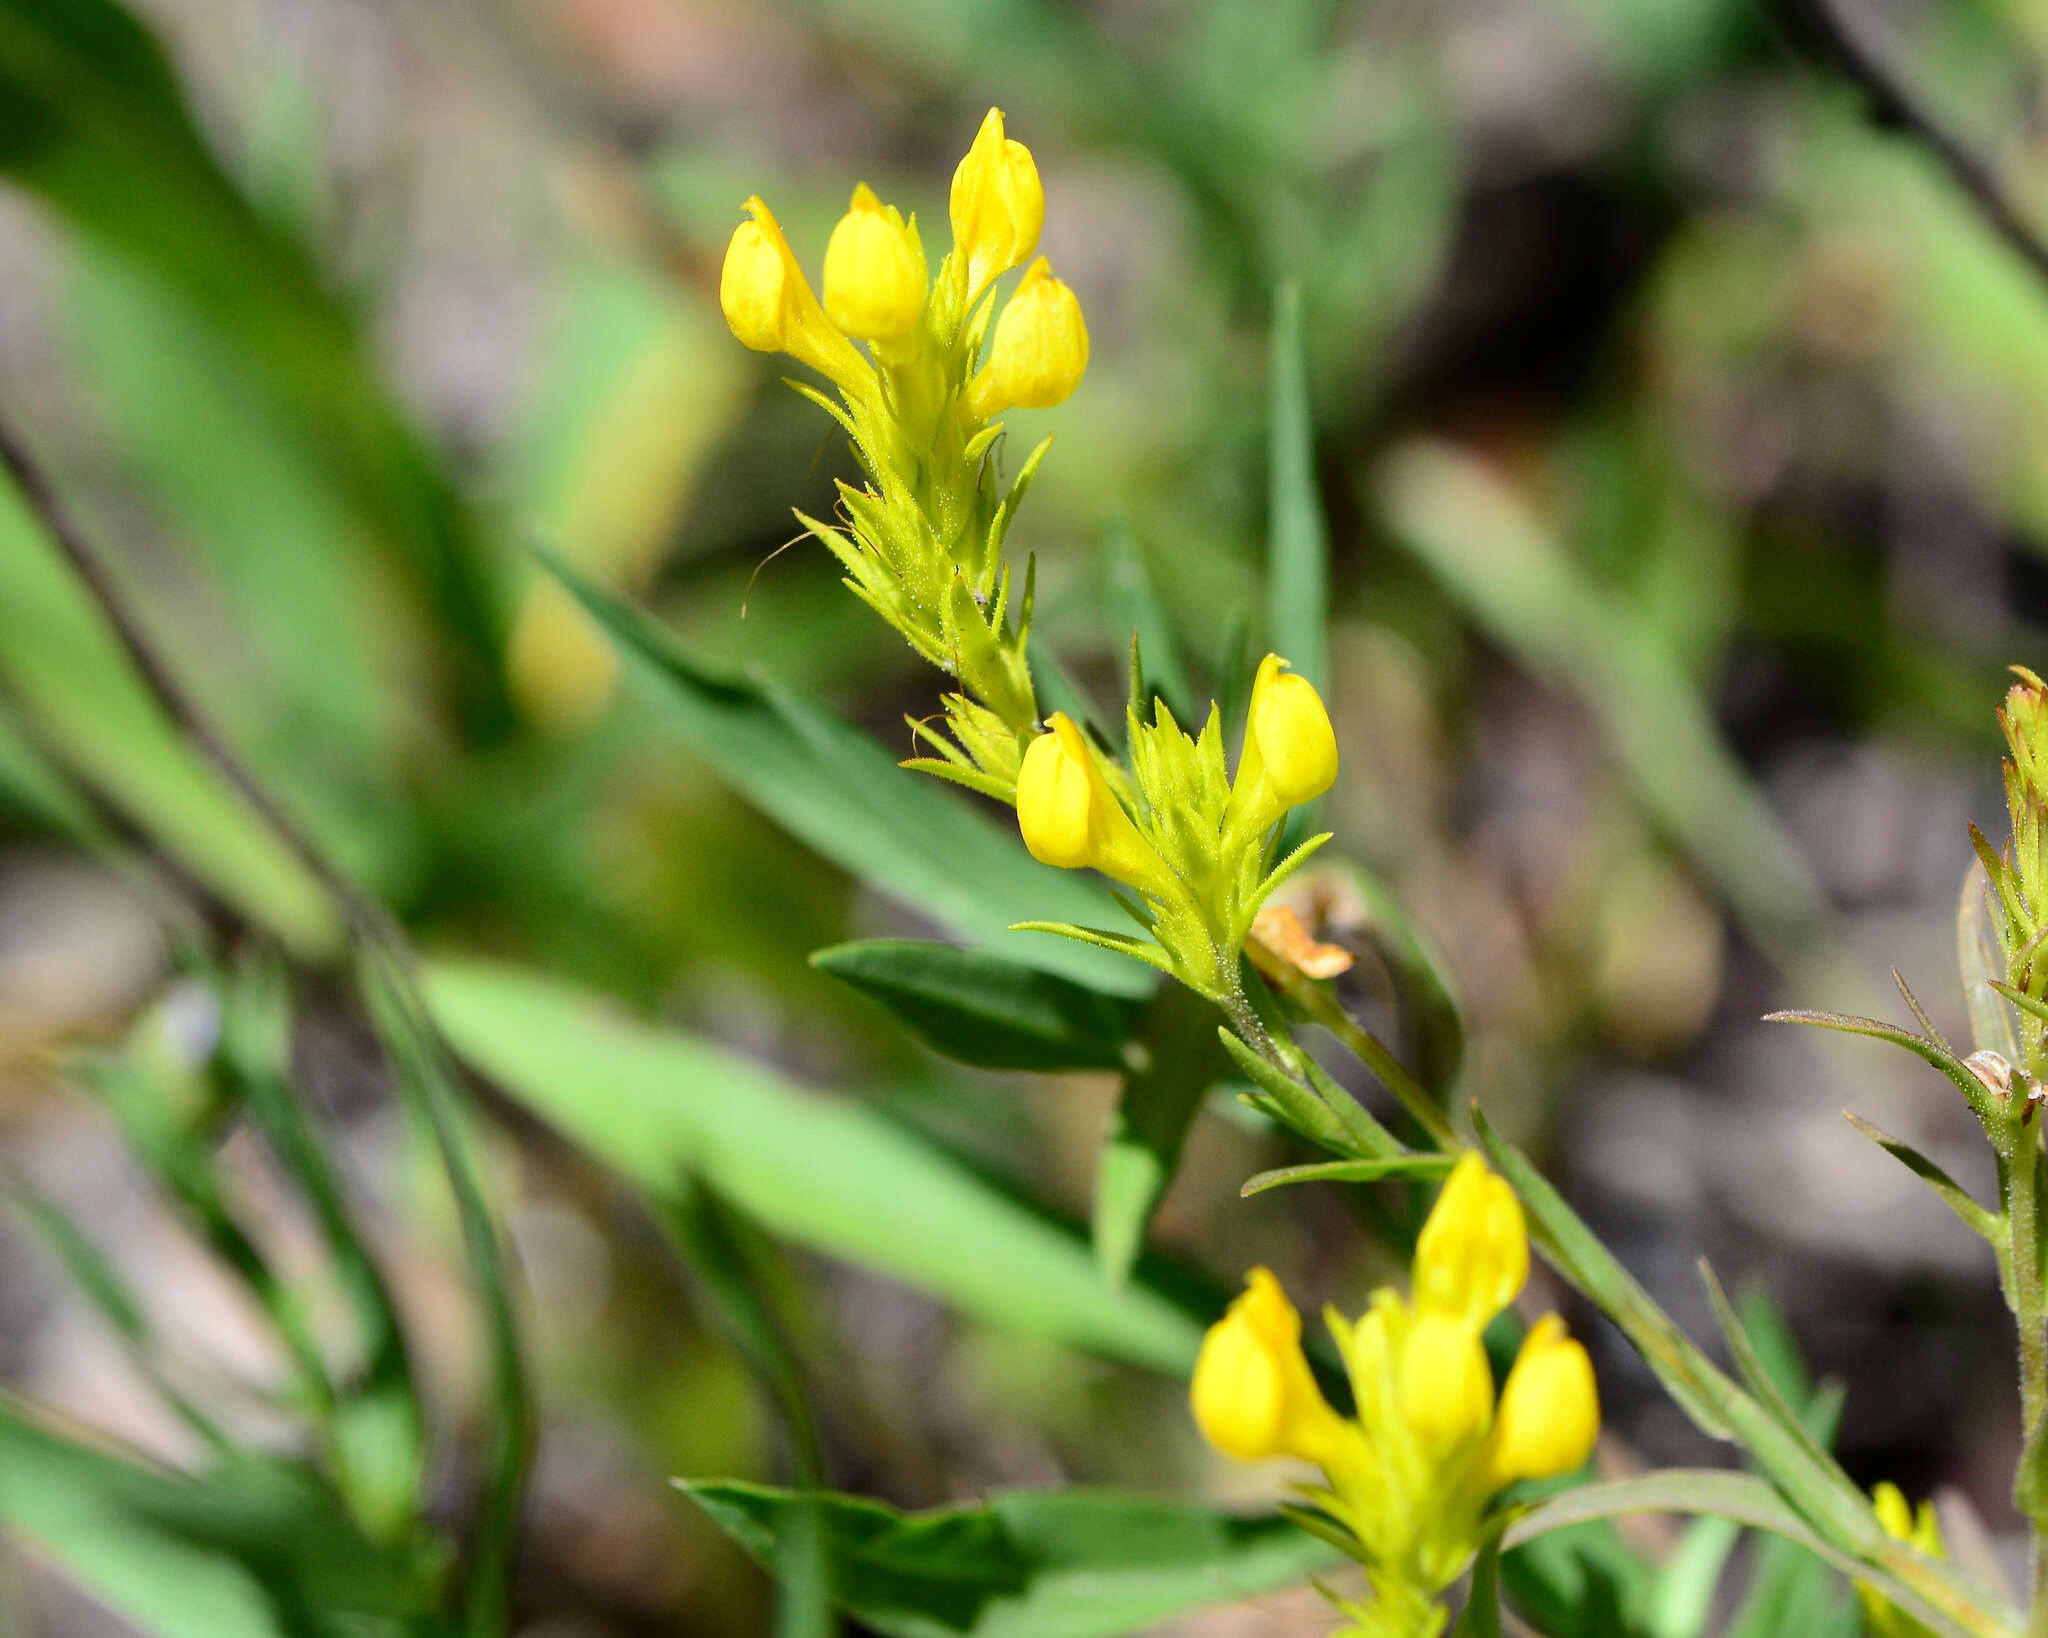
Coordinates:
[844,796]
[984,1009]
[1324,1121]
[825,1172]
[1420,1168]
[1953,1195]
[1986,1103]
[1024,1564]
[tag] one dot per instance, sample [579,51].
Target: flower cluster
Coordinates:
[1410,1478]
[1195,844]
[922,540]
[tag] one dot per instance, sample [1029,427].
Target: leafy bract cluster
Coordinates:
[1194,843]
[921,540]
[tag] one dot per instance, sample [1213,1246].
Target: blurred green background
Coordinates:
[1682,436]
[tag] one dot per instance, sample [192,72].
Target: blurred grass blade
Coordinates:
[739,1270]
[60,660]
[426,1081]
[1182,1060]
[1517,582]
[97,126]
[1025,1564]
[1136,606]
[823,1172]
[1298,553]
[1687,1581]
[377,1425]
[103,1286]
[843,795]
[1422,1168]
[247,1552]
[985,1010]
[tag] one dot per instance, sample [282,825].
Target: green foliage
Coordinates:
[824,1172]
[986,1010]
[1065,1564]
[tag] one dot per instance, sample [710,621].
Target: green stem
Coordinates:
[1369,1049]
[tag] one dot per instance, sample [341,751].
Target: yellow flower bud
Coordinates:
[769,307]
[1446,1386]
[1549,1409]
[1040,349]
[998,206]
[1253,1395]
[1473,1254]
[1071,818]
[874,271]
[1295,744]
[1903,1522]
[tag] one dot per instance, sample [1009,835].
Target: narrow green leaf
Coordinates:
[1481,1616]
[377,1426]
[984,1009]
[1298,562]
[1684,1597]
[843,795]
[1421,1168]
[739,1270]
[1980,1096]
[824,1172]
[98,128]
[1138,611]
[80,692]
[427,1081]
[242,1553]
[1298,1106]
[1964,1612]
[1181,1059]
[1750,1366]
[1025,1564]
[1953,1195]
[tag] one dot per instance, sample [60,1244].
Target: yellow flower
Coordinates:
[998,206]
[874,271]
[1071,818]
[1253,1395]
[1902,1522]
[1473,1254]
[1549,1410]
[1446,1384]
[1290,734]
[1040,351]
[769,307]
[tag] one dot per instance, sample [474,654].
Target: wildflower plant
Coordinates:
[1427,1477]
